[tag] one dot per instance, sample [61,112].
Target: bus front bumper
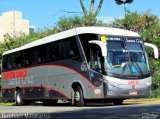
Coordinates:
[115,92]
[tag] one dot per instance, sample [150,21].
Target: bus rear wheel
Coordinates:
[78,96]
[18,98]
[118,102]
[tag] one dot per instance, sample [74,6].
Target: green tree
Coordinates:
[146,24]
[65,23]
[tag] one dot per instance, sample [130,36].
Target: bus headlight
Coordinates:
[148,84]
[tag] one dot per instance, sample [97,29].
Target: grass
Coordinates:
[155,93]
[7,104]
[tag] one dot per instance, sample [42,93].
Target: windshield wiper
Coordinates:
[130,62]
[136,65]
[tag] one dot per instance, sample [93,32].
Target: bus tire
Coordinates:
[18,98]
[78,96]
[118,102]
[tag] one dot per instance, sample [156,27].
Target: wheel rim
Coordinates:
[77,96]
[18,98]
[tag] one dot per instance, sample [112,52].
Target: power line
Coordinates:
[71,12]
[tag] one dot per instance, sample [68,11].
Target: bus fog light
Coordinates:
[97,91]
[112,83]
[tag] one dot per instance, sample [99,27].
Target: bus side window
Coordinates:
[52,50]
[26,58]
[13,65]
[9,62]
[84,38]
[42,54]
[35,54]
[39,54]
[96,59]
[4,63]
[73,50]
[18,60]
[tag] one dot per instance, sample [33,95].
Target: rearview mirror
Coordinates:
[101,45]
[155,49]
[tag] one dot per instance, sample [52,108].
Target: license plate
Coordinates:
[133,93]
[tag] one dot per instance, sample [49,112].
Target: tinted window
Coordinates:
[134,46]
[118,45]
[4,63]
[63,49]
[17,61]
[39,55]
[73,49]
[53,51]
[86,46]
[27,57]
[58,50]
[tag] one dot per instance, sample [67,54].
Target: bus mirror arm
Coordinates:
[155,49]
[101,45]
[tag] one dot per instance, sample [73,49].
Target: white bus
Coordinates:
[79,65]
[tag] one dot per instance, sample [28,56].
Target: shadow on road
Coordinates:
[87,105]
[101,112]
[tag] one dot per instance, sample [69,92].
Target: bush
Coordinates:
[155,67]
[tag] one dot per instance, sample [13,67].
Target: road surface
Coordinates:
[93,111]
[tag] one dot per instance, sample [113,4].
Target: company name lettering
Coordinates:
[133,82]
[15,74]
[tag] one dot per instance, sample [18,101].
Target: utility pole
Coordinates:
[119,2]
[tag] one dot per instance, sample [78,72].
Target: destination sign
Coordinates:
[127,40]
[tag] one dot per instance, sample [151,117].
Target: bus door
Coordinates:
[96,65]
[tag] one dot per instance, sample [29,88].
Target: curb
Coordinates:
[142,101]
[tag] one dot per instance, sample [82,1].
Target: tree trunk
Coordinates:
[92,6]
[99,8]
[83,8]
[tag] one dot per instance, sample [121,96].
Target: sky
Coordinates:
[45,13]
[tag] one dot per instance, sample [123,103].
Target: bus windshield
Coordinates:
[126,57]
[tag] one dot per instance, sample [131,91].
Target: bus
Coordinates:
[78,65]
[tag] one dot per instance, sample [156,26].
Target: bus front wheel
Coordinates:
[18,98]
[78,96]
[118,102]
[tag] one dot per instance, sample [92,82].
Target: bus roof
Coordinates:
[73,32]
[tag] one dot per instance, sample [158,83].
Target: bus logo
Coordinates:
[133,82]
[133,86]
[84,66]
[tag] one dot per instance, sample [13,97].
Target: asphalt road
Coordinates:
[93,111]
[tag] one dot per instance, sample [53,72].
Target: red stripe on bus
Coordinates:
[47,87]
[26,70]
[72,71]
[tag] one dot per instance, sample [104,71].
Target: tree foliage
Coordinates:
[146,24]
[65,23]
